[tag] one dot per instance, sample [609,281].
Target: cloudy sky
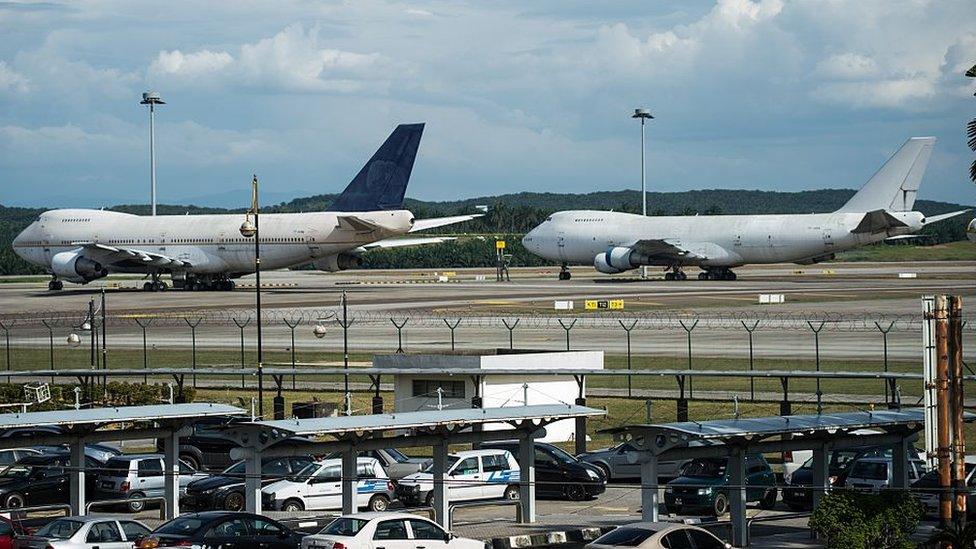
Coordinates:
[768,94]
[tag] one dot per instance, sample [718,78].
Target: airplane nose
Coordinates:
[528,241]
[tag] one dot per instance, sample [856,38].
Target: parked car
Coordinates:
[702,486]
[796,459]
[396,464]
[390,530]
[139,476]
[658,535]
[206,448]
[41,480]
[620,462]
[874,473]
[13,455]
[558,474]
[470,475]
[223,529]
[226,490]
[100,452]
[927,488]
[9,531]
[85,533]
[319,486]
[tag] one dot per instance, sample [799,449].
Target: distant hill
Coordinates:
[517,213]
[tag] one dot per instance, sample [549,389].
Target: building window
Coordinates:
[428,388]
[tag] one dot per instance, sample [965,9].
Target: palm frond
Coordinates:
[972,172]
[971,72]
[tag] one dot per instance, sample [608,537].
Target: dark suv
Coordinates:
[42,480]
[703,486]
[226,490]
[558,474]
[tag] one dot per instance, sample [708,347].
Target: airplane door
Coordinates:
[561,245]
[314,247]
[828,238]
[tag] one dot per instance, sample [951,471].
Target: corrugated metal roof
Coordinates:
[428,419]
[781,425]
[94,416]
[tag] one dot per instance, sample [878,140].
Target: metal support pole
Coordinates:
[785,406]
[900,464]
[171,474]
[76,477]
[821,474]
[193,346]
[956,374]
[943,407]
[630,366]
[737,498]
[440,498]
[816,343]
[688,330]
[681,403]
[104,344]
[451,327]
[145,346]
[345,352]
[50,335]
[526,478]
[884,340]
[567,328]
[349,481]
[252,481]
[580,432]
[240,327]
[511,331]
[399,329]
[649,492]
[752,364]
[291,326]
[6,347]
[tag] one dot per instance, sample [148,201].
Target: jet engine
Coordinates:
[339,262]
[600,264]
[75,267]
[618,259]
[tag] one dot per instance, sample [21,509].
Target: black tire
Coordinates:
[769,499]
[147,287]
[234,501]
[192,461]
[575,492]
[293,505]
[379,503]
[512,492]
[703,275]
[721,505]
[429,500]
[136,506]
[14,500]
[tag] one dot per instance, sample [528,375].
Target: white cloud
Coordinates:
[847,66]
[201,63]
[11,80]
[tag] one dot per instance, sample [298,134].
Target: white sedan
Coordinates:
[85,533]
[386,530]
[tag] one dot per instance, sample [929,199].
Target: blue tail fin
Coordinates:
[382,182]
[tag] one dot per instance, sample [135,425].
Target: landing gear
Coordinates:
[717,273]
[675,273]
[208,283]
[564,273]
[155,284]
[55,285]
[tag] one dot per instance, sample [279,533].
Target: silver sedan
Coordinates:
[85,533]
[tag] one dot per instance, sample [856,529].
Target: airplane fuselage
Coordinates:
[205,244]
[733,240]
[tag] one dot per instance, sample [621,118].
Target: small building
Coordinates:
[460,380]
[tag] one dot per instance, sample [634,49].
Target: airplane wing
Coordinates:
[421,224]
[116,255]
[667,248]
[404,242]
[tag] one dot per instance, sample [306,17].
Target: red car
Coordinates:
[8,530]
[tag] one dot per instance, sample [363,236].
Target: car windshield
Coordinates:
[561,455]
[451,460]
[306,472]
[624,537]
[183,526]
[117,466]
[705,468]
[870,470]
[344,527]
[397,455]
[59,529]
[235,469]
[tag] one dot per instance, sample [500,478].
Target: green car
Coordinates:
[703,483]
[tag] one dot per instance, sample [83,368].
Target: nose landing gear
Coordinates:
[564,273]
[55,285]
[675,273]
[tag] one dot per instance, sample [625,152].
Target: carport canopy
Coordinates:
[86,425]
[436,428]
[735,438]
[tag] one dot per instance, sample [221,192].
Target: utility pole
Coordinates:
[958,406]
[644,115]
[249,230]
[943,452]
[152,99]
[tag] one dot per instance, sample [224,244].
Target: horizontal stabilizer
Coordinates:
[404,242]
[877,221]
[936,218]
[422,224]
[353,223]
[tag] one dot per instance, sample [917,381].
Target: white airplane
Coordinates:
[616,242]
[208,251]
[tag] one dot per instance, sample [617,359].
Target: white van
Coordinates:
[470,475]
[319,487]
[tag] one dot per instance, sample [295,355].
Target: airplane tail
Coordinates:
[382,182]
[895,185]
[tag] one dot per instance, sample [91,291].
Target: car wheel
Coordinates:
[192,461]
[429,500]
[14,501]
[136,506]
[575,492]
[234,501]
[721,505]
[293,505]
[379,503]
[512,492]
[769,499]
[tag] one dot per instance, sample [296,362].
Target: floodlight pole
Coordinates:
[644,115]
[248,230]
[152,99]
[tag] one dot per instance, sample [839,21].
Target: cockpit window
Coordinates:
[549,218]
